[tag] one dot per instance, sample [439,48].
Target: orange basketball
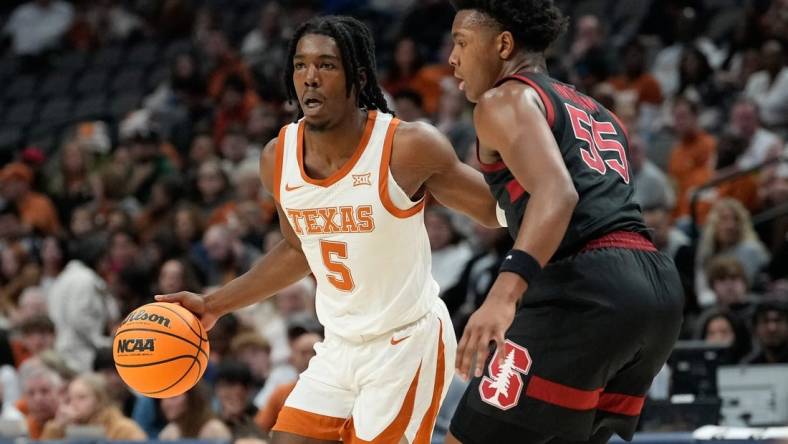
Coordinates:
[161,350]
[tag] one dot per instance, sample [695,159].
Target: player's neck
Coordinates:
[340,140]
[524,62]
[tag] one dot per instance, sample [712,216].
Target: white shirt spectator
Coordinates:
[652,187]
[772,98]
[38,25]
[79,307]
[764,143]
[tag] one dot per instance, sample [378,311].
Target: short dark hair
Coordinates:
[358,53]
[233,372]
[412,95]
[39,323]
[535,24]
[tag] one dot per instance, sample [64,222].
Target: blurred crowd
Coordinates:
[165,196]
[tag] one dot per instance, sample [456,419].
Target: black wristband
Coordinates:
[522,263]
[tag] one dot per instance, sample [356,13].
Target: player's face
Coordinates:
[319,80]
[475,54]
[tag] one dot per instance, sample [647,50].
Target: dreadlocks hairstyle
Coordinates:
[357,49]
[535,24]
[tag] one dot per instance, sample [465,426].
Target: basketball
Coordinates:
[160,350]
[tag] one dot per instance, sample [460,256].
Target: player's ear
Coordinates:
[362,77]
[505,43]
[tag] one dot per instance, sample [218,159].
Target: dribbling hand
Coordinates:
[193,302]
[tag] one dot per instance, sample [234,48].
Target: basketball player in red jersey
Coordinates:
[585,310]
[349,180]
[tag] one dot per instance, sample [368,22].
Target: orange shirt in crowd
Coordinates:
[646,86]
[691,165]
[37,210]
[266,416]
[427,82]
[34,428]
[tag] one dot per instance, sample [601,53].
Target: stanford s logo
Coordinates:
[135,345]
[502,389]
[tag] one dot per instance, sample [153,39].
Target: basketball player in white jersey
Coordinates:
[349,181]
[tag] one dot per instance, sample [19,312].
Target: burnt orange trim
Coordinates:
[342,172]
[280,154]
[308,424]
[383,178]
[424,434]
[396,430]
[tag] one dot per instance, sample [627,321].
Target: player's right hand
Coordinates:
[193,302]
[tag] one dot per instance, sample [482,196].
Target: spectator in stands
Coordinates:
[692,158]
[770,325]
[213,186]
[17,272]
[110,22]
[88,403]
[635,81]
[761,143]
[179,101]
[53,259]
[697,82]
[189,416]
[264,49]
[728,231]
[769,87]
[407,74]
[410,106]
[296,325]
[38,25]
[450,249]
[233,381]
[69,184]
[235,105]
[35,209]
[303,351]
[36,335]
[201,150]
[42,388]
[148,161]
[652,188]
[79,293]
[11,227]
[226,256]
[477,275]
[723,327]
[9,379]
[236,150]
[224,63]
[176,275]
[452,119]
[124,249]
[773,191]
[32,302]
[221,336]
[159,211]
[728,282]
[188,227]
[588,49]
[253,350]
[251,210]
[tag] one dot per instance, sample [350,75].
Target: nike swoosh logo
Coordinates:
[397,341]
[289,188]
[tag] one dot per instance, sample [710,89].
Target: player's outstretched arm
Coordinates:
[509,121]
[285,264]
[421,147]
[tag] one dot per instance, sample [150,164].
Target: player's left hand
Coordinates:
[489,323]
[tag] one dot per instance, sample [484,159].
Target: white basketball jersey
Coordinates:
[363,237]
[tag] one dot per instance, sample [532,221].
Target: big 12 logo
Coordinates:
[503,387]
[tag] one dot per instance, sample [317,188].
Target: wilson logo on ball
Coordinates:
[135,345]
[141,315]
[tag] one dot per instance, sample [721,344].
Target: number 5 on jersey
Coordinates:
[339,275]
